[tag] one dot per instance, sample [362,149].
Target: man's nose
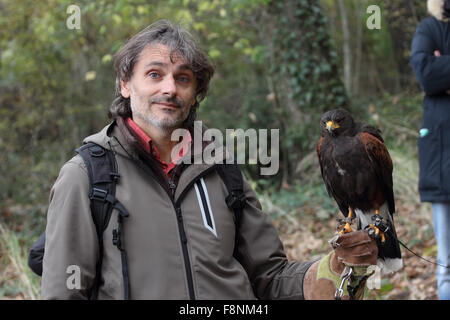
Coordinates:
[169,87]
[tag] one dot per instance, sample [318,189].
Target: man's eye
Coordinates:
[183,79]
[153,75]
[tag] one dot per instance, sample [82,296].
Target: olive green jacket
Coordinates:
[179,246]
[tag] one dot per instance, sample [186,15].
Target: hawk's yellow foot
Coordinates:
[348,220]
[374,231]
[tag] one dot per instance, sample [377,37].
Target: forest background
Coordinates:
[279,64]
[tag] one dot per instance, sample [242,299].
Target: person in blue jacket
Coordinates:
[430,60]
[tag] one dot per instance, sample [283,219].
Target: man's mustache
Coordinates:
[176,102]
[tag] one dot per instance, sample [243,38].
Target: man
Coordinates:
[172,251]
[430,60]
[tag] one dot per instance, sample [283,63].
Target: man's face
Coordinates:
[161,91]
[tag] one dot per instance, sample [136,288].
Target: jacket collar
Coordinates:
[111,137]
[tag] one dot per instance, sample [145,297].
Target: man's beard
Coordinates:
[163,123]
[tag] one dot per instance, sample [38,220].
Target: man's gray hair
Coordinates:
[179,41]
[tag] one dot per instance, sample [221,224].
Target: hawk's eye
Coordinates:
[339,119]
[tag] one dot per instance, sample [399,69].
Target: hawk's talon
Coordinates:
[345,225]
[378,228]
[348,221]
[375,233]
[346,229]
[377,218]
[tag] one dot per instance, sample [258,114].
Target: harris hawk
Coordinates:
[357,170]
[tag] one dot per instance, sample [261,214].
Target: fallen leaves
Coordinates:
[305,238]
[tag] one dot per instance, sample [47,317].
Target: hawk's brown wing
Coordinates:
[318,150]
[343,206]
[363,127]
[382,164]
[319,155]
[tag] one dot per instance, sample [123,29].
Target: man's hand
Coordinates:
[354,249]
[437,53]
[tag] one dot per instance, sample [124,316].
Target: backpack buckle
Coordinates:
[96,151]
[98,194]
[235,201]
[116,238]
[115,176]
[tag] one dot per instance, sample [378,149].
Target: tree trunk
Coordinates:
[360,6]
[346,48]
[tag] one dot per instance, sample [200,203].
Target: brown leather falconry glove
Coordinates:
[354,249]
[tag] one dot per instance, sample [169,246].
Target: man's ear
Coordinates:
[125,89]
[194,103]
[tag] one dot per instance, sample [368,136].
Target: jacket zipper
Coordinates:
[187,262]
[172,187]
[179,215]
[183,239]
[183,232]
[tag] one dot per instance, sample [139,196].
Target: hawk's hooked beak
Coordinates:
[331,126]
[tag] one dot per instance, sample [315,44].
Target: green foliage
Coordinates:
[306,57]
[278,65]
[306,77]
[56,83]
[276,68]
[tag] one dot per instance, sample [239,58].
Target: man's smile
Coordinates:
[167,105]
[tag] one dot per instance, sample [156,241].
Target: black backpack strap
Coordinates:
[232,177]
[103,177]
